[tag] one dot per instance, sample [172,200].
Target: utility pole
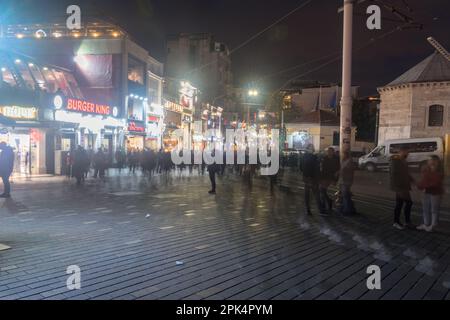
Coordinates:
[347,100]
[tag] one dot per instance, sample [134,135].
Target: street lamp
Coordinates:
[253,93]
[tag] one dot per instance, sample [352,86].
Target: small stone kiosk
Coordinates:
[417,104]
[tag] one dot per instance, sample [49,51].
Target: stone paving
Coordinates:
[166,238]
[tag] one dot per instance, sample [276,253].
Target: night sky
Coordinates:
[313,32]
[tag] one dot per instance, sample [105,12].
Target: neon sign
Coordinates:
[136,127]
[88,107]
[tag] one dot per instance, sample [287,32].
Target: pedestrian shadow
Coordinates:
[11,205]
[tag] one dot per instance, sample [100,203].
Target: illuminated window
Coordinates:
[26,75]
[7,77]
[38,76]
[52,84]
[136,71]
[436,116]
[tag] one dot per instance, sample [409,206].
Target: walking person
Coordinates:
[212,170]
[80,163]
[310,167]
[401,182]
[346,177]
[432,184]
[6,168]
[329,175]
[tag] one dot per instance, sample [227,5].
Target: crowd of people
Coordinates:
[319,174]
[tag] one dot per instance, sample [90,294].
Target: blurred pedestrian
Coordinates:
[329,175]
[346,177]
[310,167]
[80,163]
[6,168]
[432,184]
[401,182]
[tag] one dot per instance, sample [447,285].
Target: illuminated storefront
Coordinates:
[97,125]
[24,137]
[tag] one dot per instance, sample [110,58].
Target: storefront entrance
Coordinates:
[135,143]
[21,143]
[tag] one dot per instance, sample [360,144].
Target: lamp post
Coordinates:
[252,93]
[347,101]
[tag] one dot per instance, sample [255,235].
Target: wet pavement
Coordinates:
[166,238]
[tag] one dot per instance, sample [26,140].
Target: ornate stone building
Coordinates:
[417,104]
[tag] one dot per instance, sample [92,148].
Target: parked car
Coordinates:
[420,151]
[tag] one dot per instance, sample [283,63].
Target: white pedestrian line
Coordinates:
[167,228]
[202,247]
[124,222]
[26,220]
[4,247]
[190,214]
[100,209]
[254,225]
[133,213]
[210,218]
[105,230]
[89,222]
[126,193]
[8,268]
[25,213]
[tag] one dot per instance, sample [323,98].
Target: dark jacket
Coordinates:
[399,173]
[329,169]
[6,161]
[310,166]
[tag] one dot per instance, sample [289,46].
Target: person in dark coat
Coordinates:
[80,163]
[6,168]
[401,182]
[329,175]
[100,164]
[310,167]
[212,170]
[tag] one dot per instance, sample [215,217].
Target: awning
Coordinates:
[7,121]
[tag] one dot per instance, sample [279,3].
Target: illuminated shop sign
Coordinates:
[19,113]
[175,107]
[136,127]
[82,106]
[153,119]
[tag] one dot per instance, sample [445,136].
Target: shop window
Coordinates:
[50,78]
[436,116]
[136,71]
[25,74]
[7,77]
[62,82]
[38,76]
[136,109]
[73,86]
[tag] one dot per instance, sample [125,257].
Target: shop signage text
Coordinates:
[83,106]
[19,113]
[136,127]
[171,106]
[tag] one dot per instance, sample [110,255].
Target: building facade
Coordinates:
[318,128]
[204,62]
[417,104]
[108,94]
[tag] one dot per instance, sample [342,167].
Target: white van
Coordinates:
[420,151]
